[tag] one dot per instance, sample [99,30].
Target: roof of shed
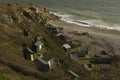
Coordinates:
[67,46]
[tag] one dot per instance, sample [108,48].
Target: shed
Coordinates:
[83,52]
[26,32]
[28,54]
[48,58]
[41,64]
[37,38]
[103,59]
[73,56]
[45,63]
[37,46]
[79,54]
[66,47]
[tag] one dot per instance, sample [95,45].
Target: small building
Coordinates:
[37,38]
[74,56]
[79,54]
[62,38]
[28,54]
[37,46]
[48,58]
[103,58]
[41,64]
[45,63]
[66,47]
[83,52]
[26,32]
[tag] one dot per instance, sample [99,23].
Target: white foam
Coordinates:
[87,23]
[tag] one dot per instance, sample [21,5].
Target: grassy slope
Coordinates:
[11,40]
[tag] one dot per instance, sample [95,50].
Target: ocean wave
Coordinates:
[87,23]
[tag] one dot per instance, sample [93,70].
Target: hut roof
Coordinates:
[74,74]
[105,56]
[47,57]
[30,50]
[42,60]
[67,46]
[38,43]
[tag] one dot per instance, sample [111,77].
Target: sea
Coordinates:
[86,13]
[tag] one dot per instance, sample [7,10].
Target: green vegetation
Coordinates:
[43,50]
[74,49]
[96,67]
[3,77]
[94,75]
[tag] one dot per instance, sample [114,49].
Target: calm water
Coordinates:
[102,13]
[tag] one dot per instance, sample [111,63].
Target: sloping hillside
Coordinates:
[14,19]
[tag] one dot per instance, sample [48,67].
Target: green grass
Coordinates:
[37,55]
[96,67]
[43,50]
[3,77]
[74,49]
[94,75]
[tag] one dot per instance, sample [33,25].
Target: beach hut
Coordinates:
[41,64]
[51,61]
[37,46]
[45,63]
[66,47]
[74,56]
[26,32]
[37,38]
[103,58]
[79,54]
[83,52]
[28,54]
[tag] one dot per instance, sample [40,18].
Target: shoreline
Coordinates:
[84,23]
[100,39]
